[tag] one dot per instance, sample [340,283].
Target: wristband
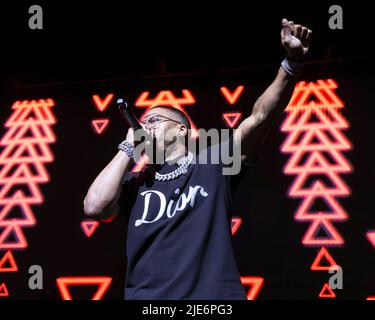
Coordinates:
[291,67]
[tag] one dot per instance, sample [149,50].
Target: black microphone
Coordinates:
[127,113]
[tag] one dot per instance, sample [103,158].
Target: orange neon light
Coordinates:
[63,284]
[99,125]
[3,290]
[319,94]
[331,238]
[232,97]
[26,150]
[231,118]
[323,254]
[318,191]
[327,292]
[371,237]
[8,259]
[89,227]
[316,143]
[255,284]
[236,222]
[102,104]
[165,97]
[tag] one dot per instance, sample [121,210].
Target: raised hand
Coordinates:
[296,40]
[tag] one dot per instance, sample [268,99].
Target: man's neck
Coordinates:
[176,155]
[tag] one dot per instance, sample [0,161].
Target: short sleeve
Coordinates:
[228,156]
[129,188]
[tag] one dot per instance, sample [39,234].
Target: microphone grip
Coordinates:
[129,116]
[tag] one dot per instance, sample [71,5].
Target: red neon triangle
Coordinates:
[16,231]
[9,259]
[336,213]
[333,238]
[100,104]
[24,173]
[28,131]
[232,97]
[38,112]
[327,292]
[100,125]
[17,201]
[165,97]
[338,188]
[236,222]
[323,254]
[26,152]
[314,118]
[319,94]
[314,139]
[317,162]
[231,118]
[371,237]
[64,283]
[34,194]
[89,227]
[255,284]
[3,290]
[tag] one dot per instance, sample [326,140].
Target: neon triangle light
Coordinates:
[17,201]
[301,120]
[232,97]
[255,284]
[339,188]
[3,290]
[337,213]
[40,112]
[321,90]
[63,284]
[22,165]
[16,231]
[25,173]
[8,259]
[323,254]
[327,292]
[232,118]
[89,227]
[371,237]
[165,97]
[100,125]
[332,238]
[236,222]
[102,104]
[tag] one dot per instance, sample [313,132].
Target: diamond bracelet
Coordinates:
[127,147]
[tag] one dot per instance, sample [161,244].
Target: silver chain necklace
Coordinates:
[182,169]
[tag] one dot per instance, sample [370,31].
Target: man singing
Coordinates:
[179,231]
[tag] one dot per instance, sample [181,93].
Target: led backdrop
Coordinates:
[304,207]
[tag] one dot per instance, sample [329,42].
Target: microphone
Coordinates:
[127,113]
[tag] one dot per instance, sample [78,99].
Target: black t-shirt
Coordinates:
[179,234]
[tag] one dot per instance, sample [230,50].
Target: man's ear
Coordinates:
[182,130]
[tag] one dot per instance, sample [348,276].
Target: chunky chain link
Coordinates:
[182,169]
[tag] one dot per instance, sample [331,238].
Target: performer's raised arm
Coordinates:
[296,40]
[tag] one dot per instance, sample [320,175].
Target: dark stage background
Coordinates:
[114,48]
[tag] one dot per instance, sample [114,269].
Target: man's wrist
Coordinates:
[292,67]
[127,147]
